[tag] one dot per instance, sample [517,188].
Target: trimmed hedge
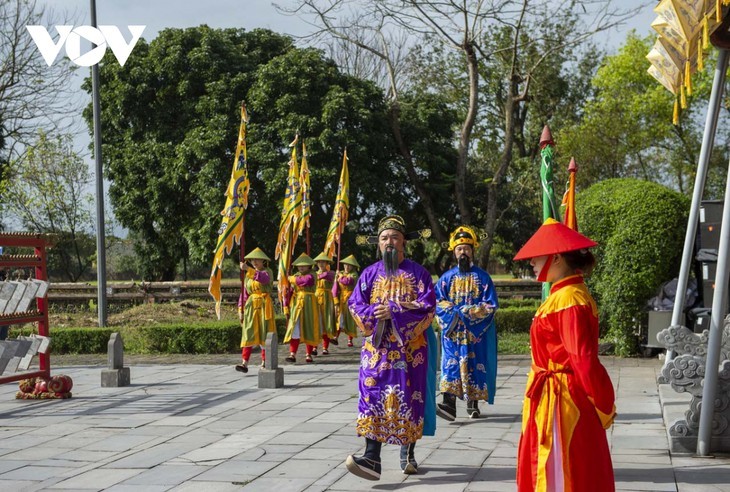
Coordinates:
[640,228]
[514,319]
[519,303]
[220,337]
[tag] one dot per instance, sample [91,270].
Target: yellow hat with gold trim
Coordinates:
[463,235]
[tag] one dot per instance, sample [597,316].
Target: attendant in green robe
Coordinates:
[255,307]
[325,302]
[346,281]
[304,321]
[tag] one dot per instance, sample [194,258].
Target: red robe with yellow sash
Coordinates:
[569,401]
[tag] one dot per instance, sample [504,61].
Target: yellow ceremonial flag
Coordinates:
[290,213]
[303,219]
[340,211]
[231,229]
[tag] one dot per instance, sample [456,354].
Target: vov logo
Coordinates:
[70,36]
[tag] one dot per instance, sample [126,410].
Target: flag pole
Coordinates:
[242,242]
[308,243]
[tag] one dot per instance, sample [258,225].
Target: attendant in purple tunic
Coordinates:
[393,305]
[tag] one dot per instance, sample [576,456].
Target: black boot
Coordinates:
[366,466]
[447,409]
[407,459]
[472,408]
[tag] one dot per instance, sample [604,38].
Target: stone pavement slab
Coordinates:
[202,427]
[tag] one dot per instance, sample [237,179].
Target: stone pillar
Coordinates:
[116,375]
[271,375]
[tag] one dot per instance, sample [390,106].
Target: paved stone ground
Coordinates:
[184,425]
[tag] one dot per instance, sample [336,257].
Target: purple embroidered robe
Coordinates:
[394,356]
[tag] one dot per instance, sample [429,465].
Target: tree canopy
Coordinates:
[170,121]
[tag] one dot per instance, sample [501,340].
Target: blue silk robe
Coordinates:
[468,345]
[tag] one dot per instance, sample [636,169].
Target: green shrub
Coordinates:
[219,337]
[78,340]
[208,338]
[640,228]
[512,303]
[514,320]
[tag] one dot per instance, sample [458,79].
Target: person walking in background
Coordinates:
[466,302]
[304,321]
[569,400]
[255,307]
[393,305]
[345,283]
[325,302]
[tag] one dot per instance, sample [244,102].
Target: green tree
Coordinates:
[170,116]
[48,193]
[639,227]
[627,130]
[170,122]
[32,94]
[484,59]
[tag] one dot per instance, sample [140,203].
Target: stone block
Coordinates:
[114,378]
[116,375]
[15,297]
[271,378]
[115,351]
[6,293]
[28,296]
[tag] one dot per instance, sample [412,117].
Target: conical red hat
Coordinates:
[551,238]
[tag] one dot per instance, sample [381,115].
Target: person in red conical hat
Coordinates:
[569,399]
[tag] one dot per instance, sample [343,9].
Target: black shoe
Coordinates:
[363,467]
[472,408]
[447,409]
[407,459]
[325,352]
[242,368]
[334,341]
[314,352]
[445,412]
[291,358]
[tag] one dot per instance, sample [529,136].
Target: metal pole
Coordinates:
[100,230]
[719,307]
[708,141]
[719,301]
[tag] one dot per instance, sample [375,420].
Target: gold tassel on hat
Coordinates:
[675,115]
[705,33]
[687,78]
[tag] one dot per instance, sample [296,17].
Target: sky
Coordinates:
[248,14]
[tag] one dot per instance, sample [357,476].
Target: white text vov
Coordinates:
[70,37]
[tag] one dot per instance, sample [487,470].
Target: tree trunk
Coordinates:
[509,138]
[465,135]
[421,190]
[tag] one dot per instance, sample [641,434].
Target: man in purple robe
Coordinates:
[393,304]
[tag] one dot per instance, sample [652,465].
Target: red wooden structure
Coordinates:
[37,260]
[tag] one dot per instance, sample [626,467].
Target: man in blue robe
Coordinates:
[466,302]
